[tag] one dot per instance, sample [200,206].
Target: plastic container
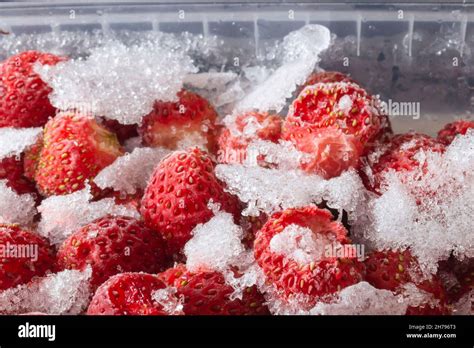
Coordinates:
[418,59]
[406,53]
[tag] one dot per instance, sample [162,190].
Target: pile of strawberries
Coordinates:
[333,120]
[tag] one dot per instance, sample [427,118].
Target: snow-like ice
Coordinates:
[168,298]
[15,208]
[13,141]
[118,82]
[299,56]
[66,292]
[283,154]
[271,190]
[135,169]
[215,244]
[63,215]
[362,298]
[300,244]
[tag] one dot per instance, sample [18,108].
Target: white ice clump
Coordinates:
[66,292]
[300,54]
[63,215]
[269,190]
[249,274]
[344,104]
[168,298]
[210,80]
[134,170]
[221,89]
[283,154]
[13,141]
[15,208]
[428,209]
[215,244]
[362,298]
[118,82]
[300,244]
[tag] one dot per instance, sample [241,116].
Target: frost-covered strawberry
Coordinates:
[128,294]
[244,128]
[393,269]
[25,255]
[177,196]
[206,293]
[187,122]
[24,98]
[111,245]
[449,131]
[75,149]
[292,249]
[399,155]
[337,121]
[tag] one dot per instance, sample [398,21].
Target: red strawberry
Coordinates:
[449,131]
[206,293]
[11,169]
[391,269]
[127,294]
[75,149]
[315,276]
[178,193]
[331,153]
[191,118]
[112,245]
[338,121]
[17,265]
[400,156]
[234,139]
[23,95]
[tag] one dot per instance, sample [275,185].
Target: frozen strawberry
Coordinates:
[449,131]
[25,255]
[187,122]
[177,196]
[336,121]
[75,149]
[11,169]
[111,245]
[400,155]
[24,98]
[392,269]
[332,152]
[245,128]
[206,293]
[127,294]
[307,270]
